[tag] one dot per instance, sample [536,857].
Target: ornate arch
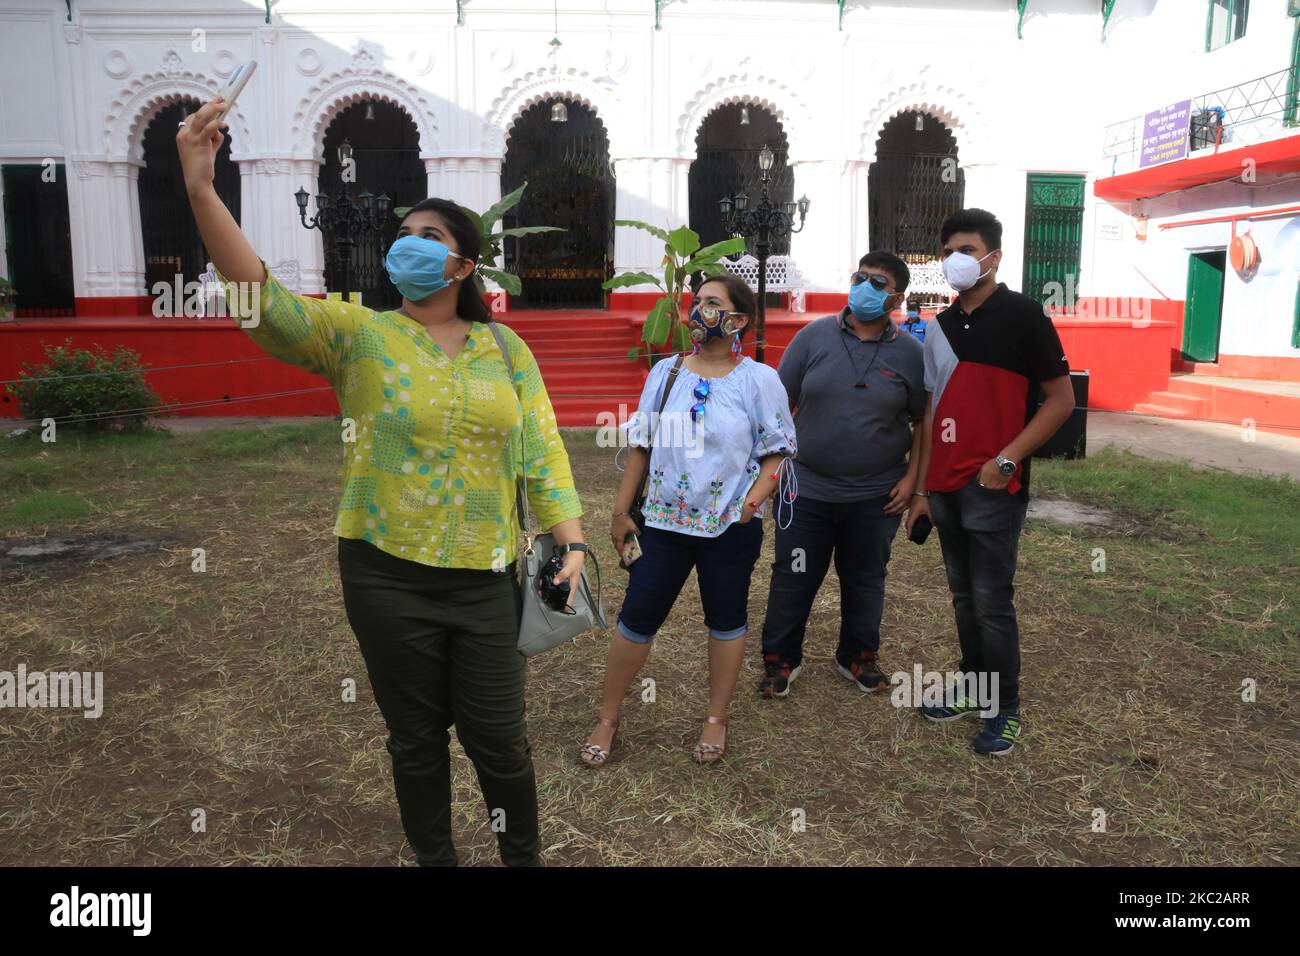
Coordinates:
[945,103]
[134,107]
[751,89]
[361,80]
[544,84]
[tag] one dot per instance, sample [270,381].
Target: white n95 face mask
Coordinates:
[963,271]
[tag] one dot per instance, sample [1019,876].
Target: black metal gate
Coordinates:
[913,186]
[172,245]
[571,185]
[726,162]
[38,240]
[386,152]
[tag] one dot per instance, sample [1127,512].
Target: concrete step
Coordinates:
[1189,399]
[1161,411]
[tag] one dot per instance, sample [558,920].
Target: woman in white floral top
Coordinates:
[713,458]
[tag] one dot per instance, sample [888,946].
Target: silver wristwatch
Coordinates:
[1006,465]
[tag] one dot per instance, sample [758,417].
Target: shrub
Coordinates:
[88,390]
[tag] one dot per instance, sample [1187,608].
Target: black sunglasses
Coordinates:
[880,282]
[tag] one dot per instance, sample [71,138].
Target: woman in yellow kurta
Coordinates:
[426,525]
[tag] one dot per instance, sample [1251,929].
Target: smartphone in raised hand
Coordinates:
[230,92]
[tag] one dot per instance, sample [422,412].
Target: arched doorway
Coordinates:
[726,162]
[560,148]
[912,187]
[172,245]
[386,161]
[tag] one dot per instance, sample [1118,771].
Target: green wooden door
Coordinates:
[1053,236]
[1204,310]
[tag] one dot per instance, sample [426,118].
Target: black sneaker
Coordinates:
[865,672]
[777,678]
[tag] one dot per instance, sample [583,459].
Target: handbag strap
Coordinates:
[521,494]
[663,400]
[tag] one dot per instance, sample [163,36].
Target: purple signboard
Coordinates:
[1164,134]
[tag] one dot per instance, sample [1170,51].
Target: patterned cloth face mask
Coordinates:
[710,322]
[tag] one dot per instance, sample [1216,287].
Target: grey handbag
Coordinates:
[541,627]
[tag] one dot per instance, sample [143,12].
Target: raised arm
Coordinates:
[198,142]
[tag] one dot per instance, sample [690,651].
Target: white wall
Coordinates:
[1015,106]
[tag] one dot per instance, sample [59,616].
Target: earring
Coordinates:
[737,350]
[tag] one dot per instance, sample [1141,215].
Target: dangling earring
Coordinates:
[737,350]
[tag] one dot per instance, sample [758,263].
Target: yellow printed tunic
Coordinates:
[431,474]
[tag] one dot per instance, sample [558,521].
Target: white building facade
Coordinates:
[1023,90]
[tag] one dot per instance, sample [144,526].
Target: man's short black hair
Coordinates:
[889,262]
[973,220]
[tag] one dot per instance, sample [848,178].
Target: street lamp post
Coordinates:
[762,224]
[342,220]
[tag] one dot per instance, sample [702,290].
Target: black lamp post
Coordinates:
[342,220]
[763,224]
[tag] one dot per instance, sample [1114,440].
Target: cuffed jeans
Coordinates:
[440,646]
[860,536]
[979,532]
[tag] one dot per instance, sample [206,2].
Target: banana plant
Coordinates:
[683,257]
[490,242]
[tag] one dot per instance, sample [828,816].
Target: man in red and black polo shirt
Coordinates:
[985,357]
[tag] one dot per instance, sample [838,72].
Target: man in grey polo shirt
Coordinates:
[857,386]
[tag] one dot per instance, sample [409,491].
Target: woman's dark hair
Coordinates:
[469,303]
[738,291]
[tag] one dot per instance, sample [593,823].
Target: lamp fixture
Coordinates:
[744,116]
[559,112]
[920,123]
[766,158]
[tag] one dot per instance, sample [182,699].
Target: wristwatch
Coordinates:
[1006,465]
[576,546]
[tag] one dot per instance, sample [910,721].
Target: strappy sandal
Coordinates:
[711,753]
[594,756]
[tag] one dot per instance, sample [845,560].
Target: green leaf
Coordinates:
[474,218]
[716,251]
[503,206]
[630,278]
[683,240]
[637,224]
[659,322]
[681,337]
[525,231]
[401,211]
[633,353]
[507,280]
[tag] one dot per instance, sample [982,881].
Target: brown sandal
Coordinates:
[711,753]
[593,755]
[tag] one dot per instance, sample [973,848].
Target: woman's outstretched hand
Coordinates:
[198,140]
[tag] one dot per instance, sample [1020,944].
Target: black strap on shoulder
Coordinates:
[663,400]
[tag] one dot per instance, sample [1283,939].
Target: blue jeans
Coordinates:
[859,534]
[979,531]
[723,565]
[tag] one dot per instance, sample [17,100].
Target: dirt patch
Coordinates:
[19,552]
[1067,511]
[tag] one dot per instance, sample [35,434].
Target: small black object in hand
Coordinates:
[921,530]
[555,596]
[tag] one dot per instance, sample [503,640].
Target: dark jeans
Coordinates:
[860,535]
[979,531]
[723,565]
[440,646]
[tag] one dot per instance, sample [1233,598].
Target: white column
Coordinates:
[653,190]
[268,212]
[104,215]
[825,251]
[306,245]
[4,259]
[1000,189]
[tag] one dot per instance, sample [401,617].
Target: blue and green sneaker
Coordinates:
[998,736]
[961,707]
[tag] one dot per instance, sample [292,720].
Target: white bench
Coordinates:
[782,276]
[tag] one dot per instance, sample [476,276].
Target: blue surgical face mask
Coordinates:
[417,266]
[866,301]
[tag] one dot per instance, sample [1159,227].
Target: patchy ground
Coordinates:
[223,687]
